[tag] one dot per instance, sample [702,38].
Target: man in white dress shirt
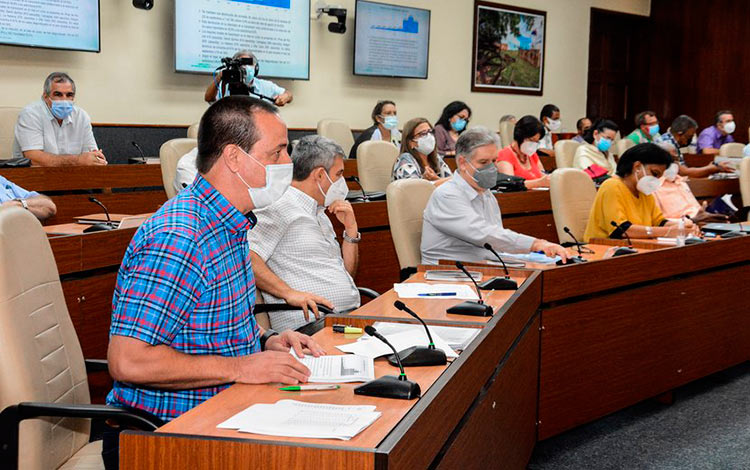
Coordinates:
[53,131]
[295,255]
[463,214]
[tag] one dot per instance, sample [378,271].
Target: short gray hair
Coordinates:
[57,77]
[683,123]
[473,139]
[314,151]
[244,52]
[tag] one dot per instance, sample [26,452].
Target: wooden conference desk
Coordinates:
[483,403]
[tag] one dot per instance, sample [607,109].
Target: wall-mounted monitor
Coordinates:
[391,40]
[51,24]
[276,31]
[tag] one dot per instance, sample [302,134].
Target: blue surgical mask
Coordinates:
[390,122]
[249,74]
[458,125]
[653,131]
[61,109]
[604,144]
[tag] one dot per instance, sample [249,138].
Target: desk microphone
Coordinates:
[389,386]
[418,355]
[470,307]
[140,151]
[623,230]
[578,246]
[355,179]
[100,227]
[498,283]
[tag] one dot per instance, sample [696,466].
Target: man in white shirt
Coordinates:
[294,252]
[55,132]
[550,117]
[186,170]
[463,214]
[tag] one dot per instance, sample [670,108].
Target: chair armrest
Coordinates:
[263,308]
[96,365]
[368,292]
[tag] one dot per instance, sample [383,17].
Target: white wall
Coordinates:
[132,79]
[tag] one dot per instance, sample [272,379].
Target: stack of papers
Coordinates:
[292,418]
[538,258]
[453,276]
[373,347]
[339,369]
[419,290]
[457,338]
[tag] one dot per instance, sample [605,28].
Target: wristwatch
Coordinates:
[649,231]
[355,240]
[23,203]
[266,334]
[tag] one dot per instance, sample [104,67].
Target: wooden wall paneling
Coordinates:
[67,253]
[89,302]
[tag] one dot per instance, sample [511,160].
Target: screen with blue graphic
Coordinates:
[391,40]
[276,31]
[52,24]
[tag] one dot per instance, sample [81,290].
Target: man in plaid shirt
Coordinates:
[182,324]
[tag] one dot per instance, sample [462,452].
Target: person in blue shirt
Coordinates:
[259,87]
[13,195]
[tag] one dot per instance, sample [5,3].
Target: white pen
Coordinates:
[304,388]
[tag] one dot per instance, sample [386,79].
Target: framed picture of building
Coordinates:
[508,49]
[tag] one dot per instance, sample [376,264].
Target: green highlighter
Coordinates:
[303,388]
[348,330]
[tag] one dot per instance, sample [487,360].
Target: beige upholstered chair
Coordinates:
[192,131]
[572,193]
[621,146]
[169,154]
[506,133]
[733,149]
[565,150]
[42,370]
[745,182]
[8,119]
[338,131]
[375,160]
[406,200]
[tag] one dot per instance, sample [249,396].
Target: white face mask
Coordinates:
[278,179]
[671,173]
[336,192]
[729,127]
[648,183]
[426,144]
[529,148]
[554,125]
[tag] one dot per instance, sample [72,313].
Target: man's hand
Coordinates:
[302,344]
[550,249]
[95,157]
[704,217]
[270,367]
[345,214]
[307,301]
[725,167]
[283,99]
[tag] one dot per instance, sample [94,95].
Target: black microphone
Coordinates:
[109,225]
[389,386]
[140,151]
[470,307]
[498,283]
[355,179]
[623,250]
[418,355]
[623,230]
[578,247]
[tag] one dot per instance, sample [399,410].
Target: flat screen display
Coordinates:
[276,31]
[391,40]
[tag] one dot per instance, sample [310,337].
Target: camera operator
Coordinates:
[257,86]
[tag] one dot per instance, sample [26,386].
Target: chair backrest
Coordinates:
[8,119]
[745,182]
[406,201]
[40,356]
[338,131]
[572,193]
[621,146]
[262,318]
[169,154]
[733,149]
[192,132]
[375,160]
[506,133]
[565,150]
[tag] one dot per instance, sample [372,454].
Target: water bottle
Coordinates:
[681,232]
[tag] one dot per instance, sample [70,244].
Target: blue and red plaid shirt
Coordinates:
[186,282]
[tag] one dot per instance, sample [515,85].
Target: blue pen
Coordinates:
[437,294]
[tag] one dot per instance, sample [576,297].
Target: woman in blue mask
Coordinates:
[452,123]
[384,127]
[595,155]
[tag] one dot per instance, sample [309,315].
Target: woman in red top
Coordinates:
[520,158]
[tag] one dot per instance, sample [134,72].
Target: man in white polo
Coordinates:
[53,131]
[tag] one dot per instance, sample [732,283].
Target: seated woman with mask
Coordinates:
[419,157]
[595,151]
[385,126]
[520,157]
[452,122]
[627,198]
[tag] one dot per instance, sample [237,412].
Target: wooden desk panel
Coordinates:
[705,188]
[70,206]
[44,179]
[698,160]
[67,253]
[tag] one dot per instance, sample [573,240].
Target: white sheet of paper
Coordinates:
[373,347]
[338,368]
[412,290]
[457,338]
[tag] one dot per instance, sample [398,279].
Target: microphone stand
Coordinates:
[418,355]
[140,151]
[470,307]
[389,386]
[355,179]
[623,250]
[498,283]
[578,247]
[109,225]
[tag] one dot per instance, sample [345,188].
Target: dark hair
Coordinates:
[527,126]
[644,153]
[451,110]
[600,125]
[547,111]
[718,116]
[640,118]
[231,120]
[579,123]
[379,109]
[682,124]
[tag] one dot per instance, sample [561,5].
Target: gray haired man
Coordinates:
[295,255]
[463,214]
[258,87]
[53,131]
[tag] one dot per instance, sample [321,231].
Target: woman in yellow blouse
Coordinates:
[595,151]
[627,198]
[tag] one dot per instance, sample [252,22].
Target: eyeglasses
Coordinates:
[423,134]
